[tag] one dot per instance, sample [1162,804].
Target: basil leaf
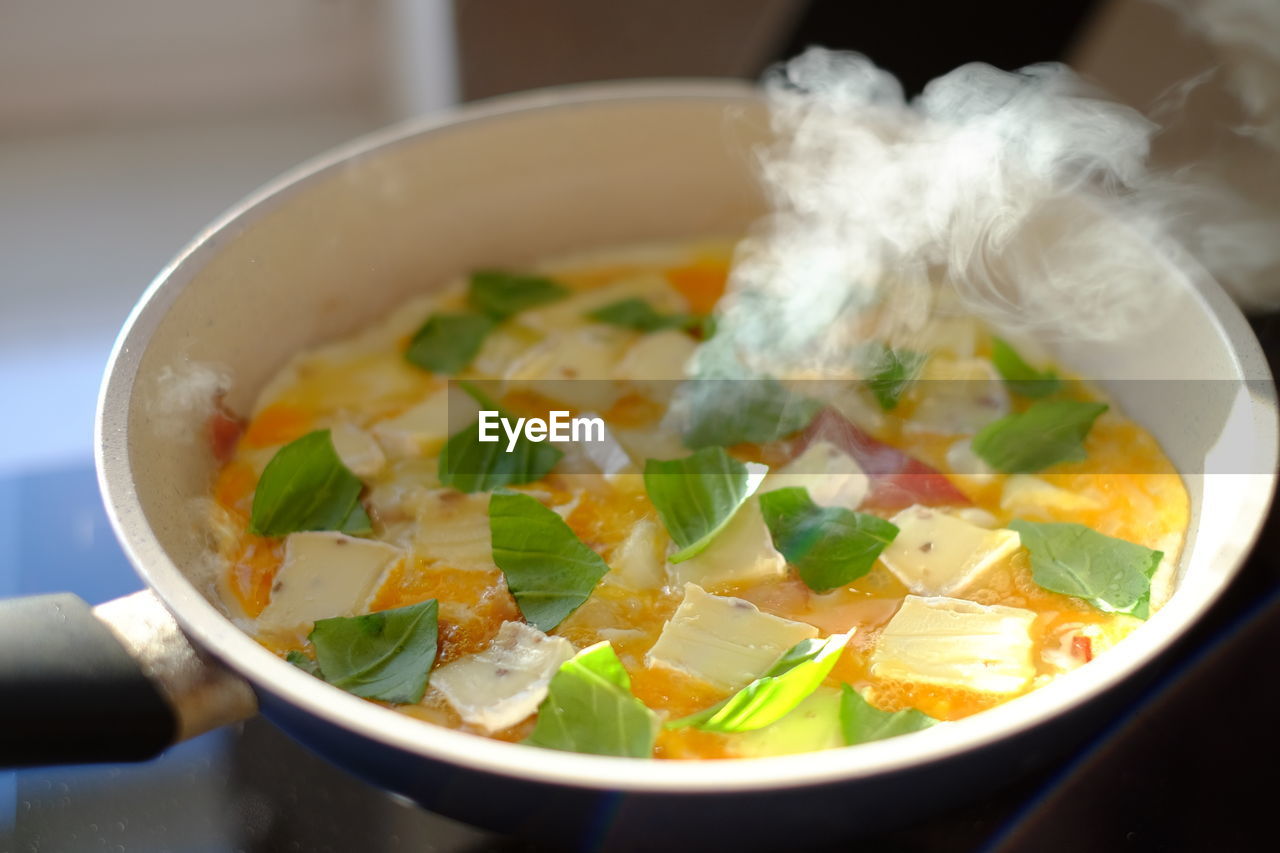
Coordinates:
[471,465]
[447,343]
[862,722]
[895,370]
[1111,574]
[829,546]
[1020,376]
[697,495]
[499,294]
[385,655]
[1048,432]
[722,412]
[305,486]
[590,708]
[640,316]
[548,569]
[775,694]
[304,663]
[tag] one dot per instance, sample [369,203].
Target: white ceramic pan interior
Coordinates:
[340,241]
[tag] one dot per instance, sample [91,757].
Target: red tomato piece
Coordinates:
[1082,647]
[897,479]
[224,431]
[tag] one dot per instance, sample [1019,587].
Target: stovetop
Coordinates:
[1177,772]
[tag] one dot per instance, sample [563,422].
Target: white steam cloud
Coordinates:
[1247,34]
[1024,198]
[1229,197]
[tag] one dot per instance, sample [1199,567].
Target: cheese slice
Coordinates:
[502,347]
[656,362]
[357,450]
[959,644]
[324,574]
[965,463]
[452,529]
[640,561]
[742,551]
[607,456]
[1025,495]
[658,441]
[423,429]
[960,395]
[938,554]
[832,477]
[506,682]
[574,365]
[724,641]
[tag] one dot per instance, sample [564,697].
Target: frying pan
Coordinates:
[334,244]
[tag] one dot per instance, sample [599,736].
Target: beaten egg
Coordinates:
[941,533]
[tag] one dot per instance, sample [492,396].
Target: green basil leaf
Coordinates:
[812,726]
[1111,574]
[304,663]
[829,546]
[723,412]
[640,316]
[697,495]
[862,722]
[447,343]
[305,486]
[548,569]
[499,294]
[1020,376]
[775,694]
[590,708]
[1048,432]
[385,655]
[471,465]
[895,369]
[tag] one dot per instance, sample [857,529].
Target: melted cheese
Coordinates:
[957,644]
[357,450]
[324,574]
[724,641]
[742,552]
[830,475]
[655,361]
[1025,495]
[960,396]
[936,553]
[453,529]
[505,683]
[575,366]
[639,562]
[419,431]
[958,657]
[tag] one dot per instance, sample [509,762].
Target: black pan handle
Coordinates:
[114,683]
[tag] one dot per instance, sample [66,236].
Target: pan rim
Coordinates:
[214,632]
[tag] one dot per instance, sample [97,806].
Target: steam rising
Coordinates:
[1230,194]
[1249,31]
[1022,197]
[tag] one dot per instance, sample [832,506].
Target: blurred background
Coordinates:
[125,127]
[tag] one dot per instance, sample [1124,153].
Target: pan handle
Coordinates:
[117,682]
